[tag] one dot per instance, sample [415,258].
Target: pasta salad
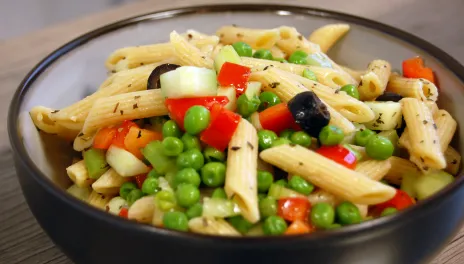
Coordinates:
[255,132]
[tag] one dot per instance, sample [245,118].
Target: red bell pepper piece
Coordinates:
[236,75]
[139,179]
[221,128]
[293,208]
[178,107]
[299,227]
[414,68]
[400,201]
[124,212]
[339,154]
[104,137]
[123,130]
[277,118]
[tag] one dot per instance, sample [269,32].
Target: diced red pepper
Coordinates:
[178,107]
[123,130]
[414,68]
[400,201]
[277,118]
[236,75]
[139,179]
[221,128]
[293,208]
[124,212]
[299,227]
[339,154]
[104,137]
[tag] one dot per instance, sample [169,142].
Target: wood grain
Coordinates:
[23,241]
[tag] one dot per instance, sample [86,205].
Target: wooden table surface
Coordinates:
[21,238]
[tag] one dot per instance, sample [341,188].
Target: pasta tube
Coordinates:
[212,226]
[79,175]
[109,182]
[41,118]
[142,210]
[398,168]
[453,160]
[374,169]
[188,54]
[374,81]
[256,38]
[99,200]
[326,36]
[421,89]
[291,40]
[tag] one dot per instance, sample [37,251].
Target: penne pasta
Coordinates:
[291,40]
[453,160]
[113,110]
[83,141]
[433,107]
[142,210]
[423,139]
[278,53]
[415,88]
[41,118]
[353,73]
[256,38]
[374,81]
[99,200]
[77,172]
[326,36]
[399,167]
[109,182]
[200,40]
[374,169]
[241,183]
[328,175]
[212,226]
[322,196]
[188,54]
[446,127]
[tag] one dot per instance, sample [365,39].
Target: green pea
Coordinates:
[171,129]
[172,146]
[245,106]
[187,194]
[170,177]
[300,185]
[307,73]
[190,142]
[166,200]
[281,60]
[192,158]
[196,119]
[266,138]
[133,196]
[263,54]
[213,174]
[219,193]
[287,133]
[282,182]
[153,174]
[298,57]
[389,211]
[195,210]
[280,141]
[301,138]
[268,206]
[268,99]
[150,186]
[348,213]
[362,137]
[351,90]
[331,135]
[379,148]
[213,154]
[240,223]
[176,221]
[242,49]
[261,196]
[126,188]
[187,175]
[322,215]
[274,225]
[265,179]
[333,226]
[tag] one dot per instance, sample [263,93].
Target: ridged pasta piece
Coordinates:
[328,175]
[40,116]
[374,169]
[433,107]
[374,81]
[415,88]
[83,141]
[399,167]
[99,200]
[423,138]
[121,82]
[109,182]
[200,40]
[256,38]
[322,196]
[453,160]
[353,73]
[291,40]
[188,54]
[277,53]
[78,173]
[326,36]
[241,183]
[446,127]
[142,210]
[212,226]
[115,109]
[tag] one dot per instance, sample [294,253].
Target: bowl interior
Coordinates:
[81,71]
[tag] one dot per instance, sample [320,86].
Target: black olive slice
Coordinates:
[389,96]
[154,78]
[309,112]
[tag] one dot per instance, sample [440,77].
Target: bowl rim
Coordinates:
[384,223]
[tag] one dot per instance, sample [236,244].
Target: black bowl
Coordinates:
[88,235]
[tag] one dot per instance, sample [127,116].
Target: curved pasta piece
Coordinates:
[115,109]
[374,81]
[328,175]
[109,182]
[326,36]
[188,54]
[421,89]
[78,173]
[40,116]
[241,183]
[256,38]
[142,210]
[212,226]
